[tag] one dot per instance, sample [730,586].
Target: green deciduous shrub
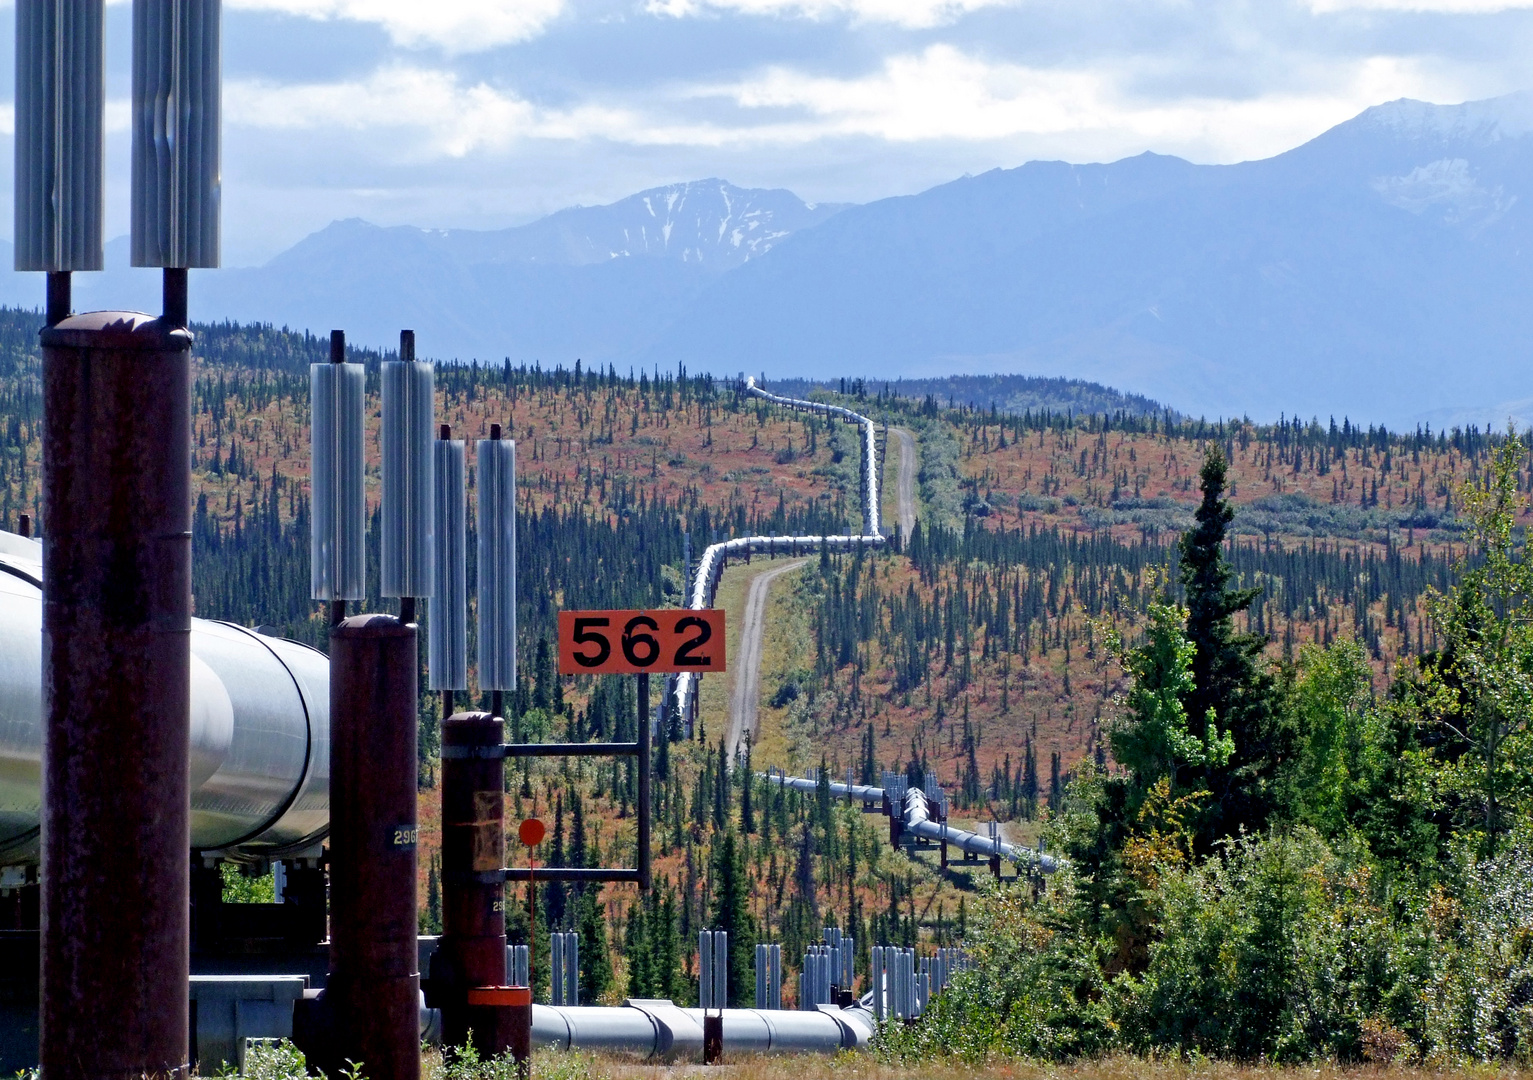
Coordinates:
[1035,990]
[1280,948]
[1273,948]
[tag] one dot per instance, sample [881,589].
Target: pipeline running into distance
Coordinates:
[913,805]
[711,565]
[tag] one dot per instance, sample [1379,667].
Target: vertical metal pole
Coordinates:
[372,996]
[173,296]
[59,301]
[532,916]
[472,951]
[644,797]
[116,697]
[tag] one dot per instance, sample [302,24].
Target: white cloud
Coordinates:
[1447,7]
[439,116]
[913,14]
[943,93]
[458,26]
[446,118]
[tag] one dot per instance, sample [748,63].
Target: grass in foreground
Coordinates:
[282,1063]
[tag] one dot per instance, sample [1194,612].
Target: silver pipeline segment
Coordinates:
[260,724]
[913,806]
[711,565]
[869,446]
[658,1028]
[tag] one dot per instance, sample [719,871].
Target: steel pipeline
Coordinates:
[260,757]
[916,820]
[658,1028]
[711,565]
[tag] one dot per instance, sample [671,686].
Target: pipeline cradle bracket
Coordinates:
[583,875]
[529,750]
[580,874]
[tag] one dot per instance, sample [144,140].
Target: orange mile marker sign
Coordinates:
[668,640]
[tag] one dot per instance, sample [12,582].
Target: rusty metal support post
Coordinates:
[713,1038]
[116,697]
[370,1010]
[472,950]
[518,1019]
[645,807]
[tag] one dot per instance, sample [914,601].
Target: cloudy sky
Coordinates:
[485,113]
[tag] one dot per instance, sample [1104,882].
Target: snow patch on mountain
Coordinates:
[1477,123]
[1446,185]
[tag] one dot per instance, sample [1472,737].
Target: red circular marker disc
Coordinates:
[530,832]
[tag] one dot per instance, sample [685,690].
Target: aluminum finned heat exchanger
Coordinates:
[260,729]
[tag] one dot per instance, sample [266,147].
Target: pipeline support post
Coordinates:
[369,1012]
[645,807]
[116,816]
[713,1038]
[472,952]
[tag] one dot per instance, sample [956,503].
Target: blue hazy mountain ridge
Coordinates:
[1379,271]
[592,282]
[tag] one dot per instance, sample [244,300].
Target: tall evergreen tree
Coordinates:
[747,782]
[1229,685]
[636,951]
[554,894]
[731,912]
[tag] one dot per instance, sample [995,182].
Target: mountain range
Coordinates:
[1380,271]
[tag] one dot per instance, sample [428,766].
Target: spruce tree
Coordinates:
[665,950]
[731,912]
[595,959]
[554,890]
[636,952]
[747,782]
[1227,679]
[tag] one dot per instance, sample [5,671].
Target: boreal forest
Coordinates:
[1262,688]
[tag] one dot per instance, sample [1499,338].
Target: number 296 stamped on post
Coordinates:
[632,642]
